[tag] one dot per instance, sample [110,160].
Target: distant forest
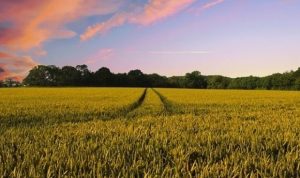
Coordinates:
[80,75]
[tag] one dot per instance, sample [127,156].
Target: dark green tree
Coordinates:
[1,82]
[296,74]
[70,76]
[156,80]
[103,77]
[137,78]
[121,80]
[282,81]
[43,76]
[264,83]
[176,82]
[11,82]
[86,77]
[244,83]
[297,84]
[81,76]
[217,82]
[195,80]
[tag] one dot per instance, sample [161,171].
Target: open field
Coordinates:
[126,132]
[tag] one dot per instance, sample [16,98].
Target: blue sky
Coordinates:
[227,37]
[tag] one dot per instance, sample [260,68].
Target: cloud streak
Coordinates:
[206,6]
[25,25]
[101,28]
[102,54]
[29,23]
[212,4]
[179,52]
[153,11]
[157,10]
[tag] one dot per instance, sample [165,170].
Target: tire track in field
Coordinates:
[124,111]
[38,122]
[168,106]
[151,106]
[135,105]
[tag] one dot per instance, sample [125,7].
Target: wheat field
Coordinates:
[137,132]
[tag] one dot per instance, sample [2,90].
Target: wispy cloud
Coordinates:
[40,52]
[153,11]
[102,54]
[157,10]
[25,25]
[32,22]
[180,52]
[212,4]
[101,28]
[208,5]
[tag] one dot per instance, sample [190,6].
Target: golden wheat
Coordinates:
[169,133]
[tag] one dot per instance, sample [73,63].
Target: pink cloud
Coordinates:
[27,24]
[153,11]
[206,6]
[40,52]
[15,67]
[3,72]
[157,10]
[186,52]
[32,22]
[102,54]
[102,28]
[4,55]
[212,4]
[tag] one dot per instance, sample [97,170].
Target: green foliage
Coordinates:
[218,82]
[69,76]
[156,80]
[282,81]
[296,74]
[177,81]
[195,80]
[10,82]
[103,77]
[81,76]
[43,76]
[297,83]
[137,78]
[244,83]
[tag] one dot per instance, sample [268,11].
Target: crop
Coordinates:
[117,132]
[31,106]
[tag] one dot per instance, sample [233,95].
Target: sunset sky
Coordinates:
[169,37]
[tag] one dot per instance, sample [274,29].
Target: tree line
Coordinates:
[80,75]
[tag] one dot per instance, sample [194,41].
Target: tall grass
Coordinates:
[208,134]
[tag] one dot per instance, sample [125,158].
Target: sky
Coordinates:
[170,37]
